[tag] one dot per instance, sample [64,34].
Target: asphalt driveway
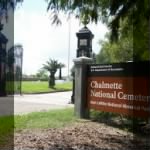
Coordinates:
[34,102]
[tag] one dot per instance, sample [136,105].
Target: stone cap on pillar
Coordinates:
[83,60]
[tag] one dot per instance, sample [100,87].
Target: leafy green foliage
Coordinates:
[111,12]
[117,120]
[51,66]
[42,74]
[118,51]
[132,44]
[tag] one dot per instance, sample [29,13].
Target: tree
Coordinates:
[51,66]
[60,70]
[120,51]
[111,12]
[127,47]
[41,74]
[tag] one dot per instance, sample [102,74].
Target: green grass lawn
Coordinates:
[36,86]
[6,128]
[50,119]
[36,120]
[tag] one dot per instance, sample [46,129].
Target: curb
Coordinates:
[46,92]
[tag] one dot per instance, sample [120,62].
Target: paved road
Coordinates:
[35,102]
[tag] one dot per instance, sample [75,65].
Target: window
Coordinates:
[83,42]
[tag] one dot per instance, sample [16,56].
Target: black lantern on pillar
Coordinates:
[3,42]
[85,37]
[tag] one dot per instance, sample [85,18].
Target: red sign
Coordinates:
[128,95]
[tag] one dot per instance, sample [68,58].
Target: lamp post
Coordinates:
[84,48]
[18,61]
[85,37]
[3,42]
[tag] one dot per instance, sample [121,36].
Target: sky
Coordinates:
[41,40]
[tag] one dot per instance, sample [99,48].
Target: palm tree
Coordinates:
[61,65]
[51,66]
[112,13]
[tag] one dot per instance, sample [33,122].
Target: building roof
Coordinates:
[85,32]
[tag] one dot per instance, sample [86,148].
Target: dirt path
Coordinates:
[81,136]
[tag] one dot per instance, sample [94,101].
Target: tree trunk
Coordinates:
[51,80]
[60,74]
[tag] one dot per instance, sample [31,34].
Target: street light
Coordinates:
[85,37]
[3,43]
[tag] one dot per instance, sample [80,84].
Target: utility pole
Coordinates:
[69,39]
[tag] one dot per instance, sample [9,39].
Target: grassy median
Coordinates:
[41,86]
[29,87]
